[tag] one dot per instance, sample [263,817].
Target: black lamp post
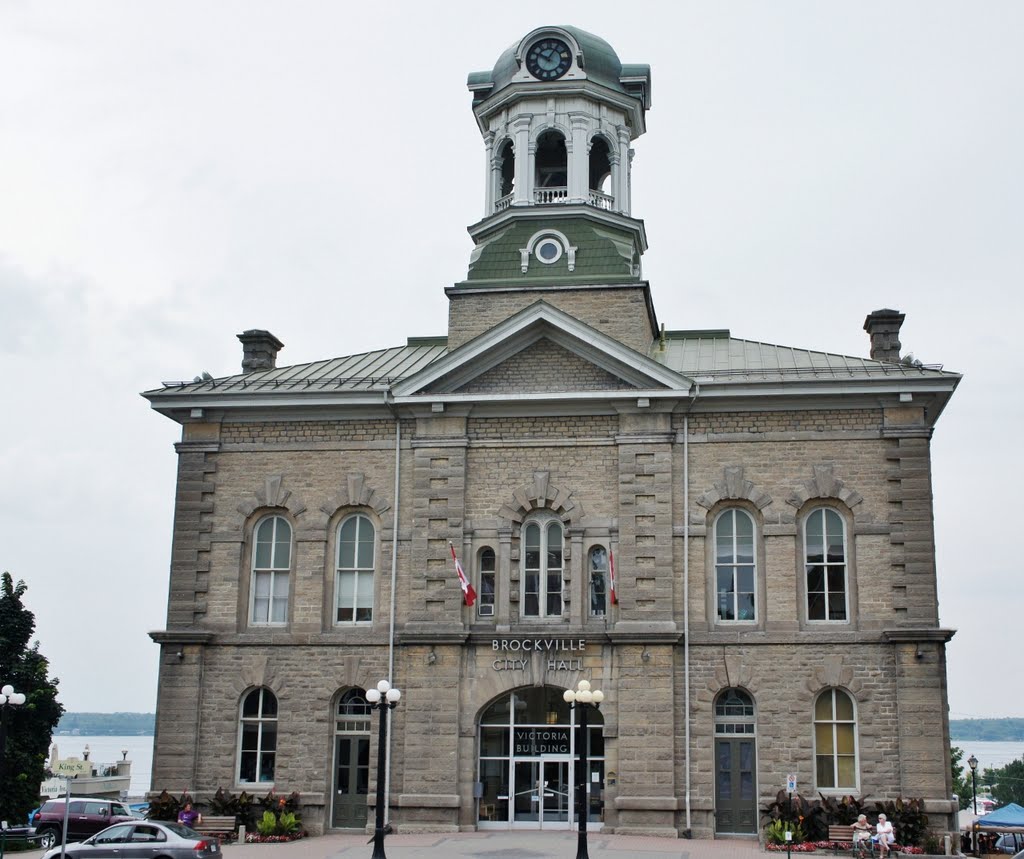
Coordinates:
[972,762]
[383,698]
[8,698]
[582,700]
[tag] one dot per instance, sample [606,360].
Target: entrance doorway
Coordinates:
[529,744]
[735,764]
[351,761]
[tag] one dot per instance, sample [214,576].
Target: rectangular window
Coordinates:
[485,601]
[542,569]
[598,581]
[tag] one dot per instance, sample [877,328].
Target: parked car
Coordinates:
[1011,842]
[142,839]
[86,816]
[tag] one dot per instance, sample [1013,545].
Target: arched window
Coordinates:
[542,568]
[600,173]
[353,589]
[825,557]
[835,741]
[486,565]
[735,567]
[271,563]
[508,169]
[734,713]
[257,737]
[598,581]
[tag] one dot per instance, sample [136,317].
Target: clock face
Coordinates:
[548,59]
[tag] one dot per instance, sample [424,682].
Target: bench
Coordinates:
[841,835]
[223,828]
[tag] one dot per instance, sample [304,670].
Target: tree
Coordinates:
[30,726]
[1007,782]
[961,783]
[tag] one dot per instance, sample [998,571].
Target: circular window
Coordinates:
[548,250]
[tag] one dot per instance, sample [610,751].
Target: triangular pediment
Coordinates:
[541,350]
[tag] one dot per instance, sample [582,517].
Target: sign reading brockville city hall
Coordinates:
[564,654]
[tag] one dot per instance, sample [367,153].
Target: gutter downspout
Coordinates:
[394,578]
[686,602]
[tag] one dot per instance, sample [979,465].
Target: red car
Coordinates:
[86,817]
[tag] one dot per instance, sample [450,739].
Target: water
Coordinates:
[989,754]
[107,750]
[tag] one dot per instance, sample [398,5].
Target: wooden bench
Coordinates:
[223,828]
[839,834]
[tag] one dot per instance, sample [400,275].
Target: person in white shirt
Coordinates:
[884,834]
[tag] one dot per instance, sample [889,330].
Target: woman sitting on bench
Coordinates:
[862,835]
[884,835]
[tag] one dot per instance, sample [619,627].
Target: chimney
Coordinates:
[259,350]
[883,327]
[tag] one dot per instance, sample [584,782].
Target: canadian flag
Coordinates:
[468,594]
[611,576]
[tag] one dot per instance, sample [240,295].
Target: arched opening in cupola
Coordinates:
[600,183]
[507,174]
[551,168]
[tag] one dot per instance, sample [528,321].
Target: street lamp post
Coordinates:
[8,698]
[383,698]
[972,762]
[582,700]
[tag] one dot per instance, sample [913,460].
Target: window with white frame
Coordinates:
[835,741]
[735,566]
[353,588]
[257,737]
[598,581]
[825,556]
[485,599]
[271,564]
[542,568]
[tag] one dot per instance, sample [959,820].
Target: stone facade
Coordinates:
[560,447]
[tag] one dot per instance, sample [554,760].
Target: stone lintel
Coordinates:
[173,636]
[428,800]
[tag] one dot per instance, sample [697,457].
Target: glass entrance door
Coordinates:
[543,793]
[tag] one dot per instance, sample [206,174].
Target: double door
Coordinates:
[735,792]
[351,780]
[543,793]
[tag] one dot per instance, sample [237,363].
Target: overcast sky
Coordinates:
[174,173]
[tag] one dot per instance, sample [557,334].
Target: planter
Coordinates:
[256,838]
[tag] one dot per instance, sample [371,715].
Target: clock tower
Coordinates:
[558,113]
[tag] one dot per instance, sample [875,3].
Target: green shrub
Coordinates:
[775,832]
[267,825]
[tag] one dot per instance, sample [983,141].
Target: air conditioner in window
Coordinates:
[486,611]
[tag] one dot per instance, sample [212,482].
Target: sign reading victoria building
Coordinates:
[563,654]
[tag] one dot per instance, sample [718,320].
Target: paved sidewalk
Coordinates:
[500,845]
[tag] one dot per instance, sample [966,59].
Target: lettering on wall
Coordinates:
[564,654]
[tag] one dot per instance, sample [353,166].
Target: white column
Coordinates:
[524,162]
[578,152]
[622,188]
[489,183]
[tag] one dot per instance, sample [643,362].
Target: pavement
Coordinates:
[501,845]
[492,845]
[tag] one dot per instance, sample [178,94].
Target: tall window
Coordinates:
[354,587]
[257,737]
[542,569]
[825,535]
[485,602]
[271,562]
[598,581]
[835,740]
[734,566]
[734,713]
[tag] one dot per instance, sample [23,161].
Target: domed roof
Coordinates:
[597,60]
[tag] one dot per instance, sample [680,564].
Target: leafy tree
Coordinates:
[961,782]
[30,726]
[1007,782]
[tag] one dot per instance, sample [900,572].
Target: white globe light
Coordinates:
[583,685]
[373,696]
[383,687]
[18,698]
[7,691]
[584,697]
[598,696]
[394,695]
[568,696]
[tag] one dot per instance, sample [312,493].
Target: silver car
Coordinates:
[145,839]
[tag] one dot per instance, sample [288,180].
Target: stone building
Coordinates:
[732,539]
